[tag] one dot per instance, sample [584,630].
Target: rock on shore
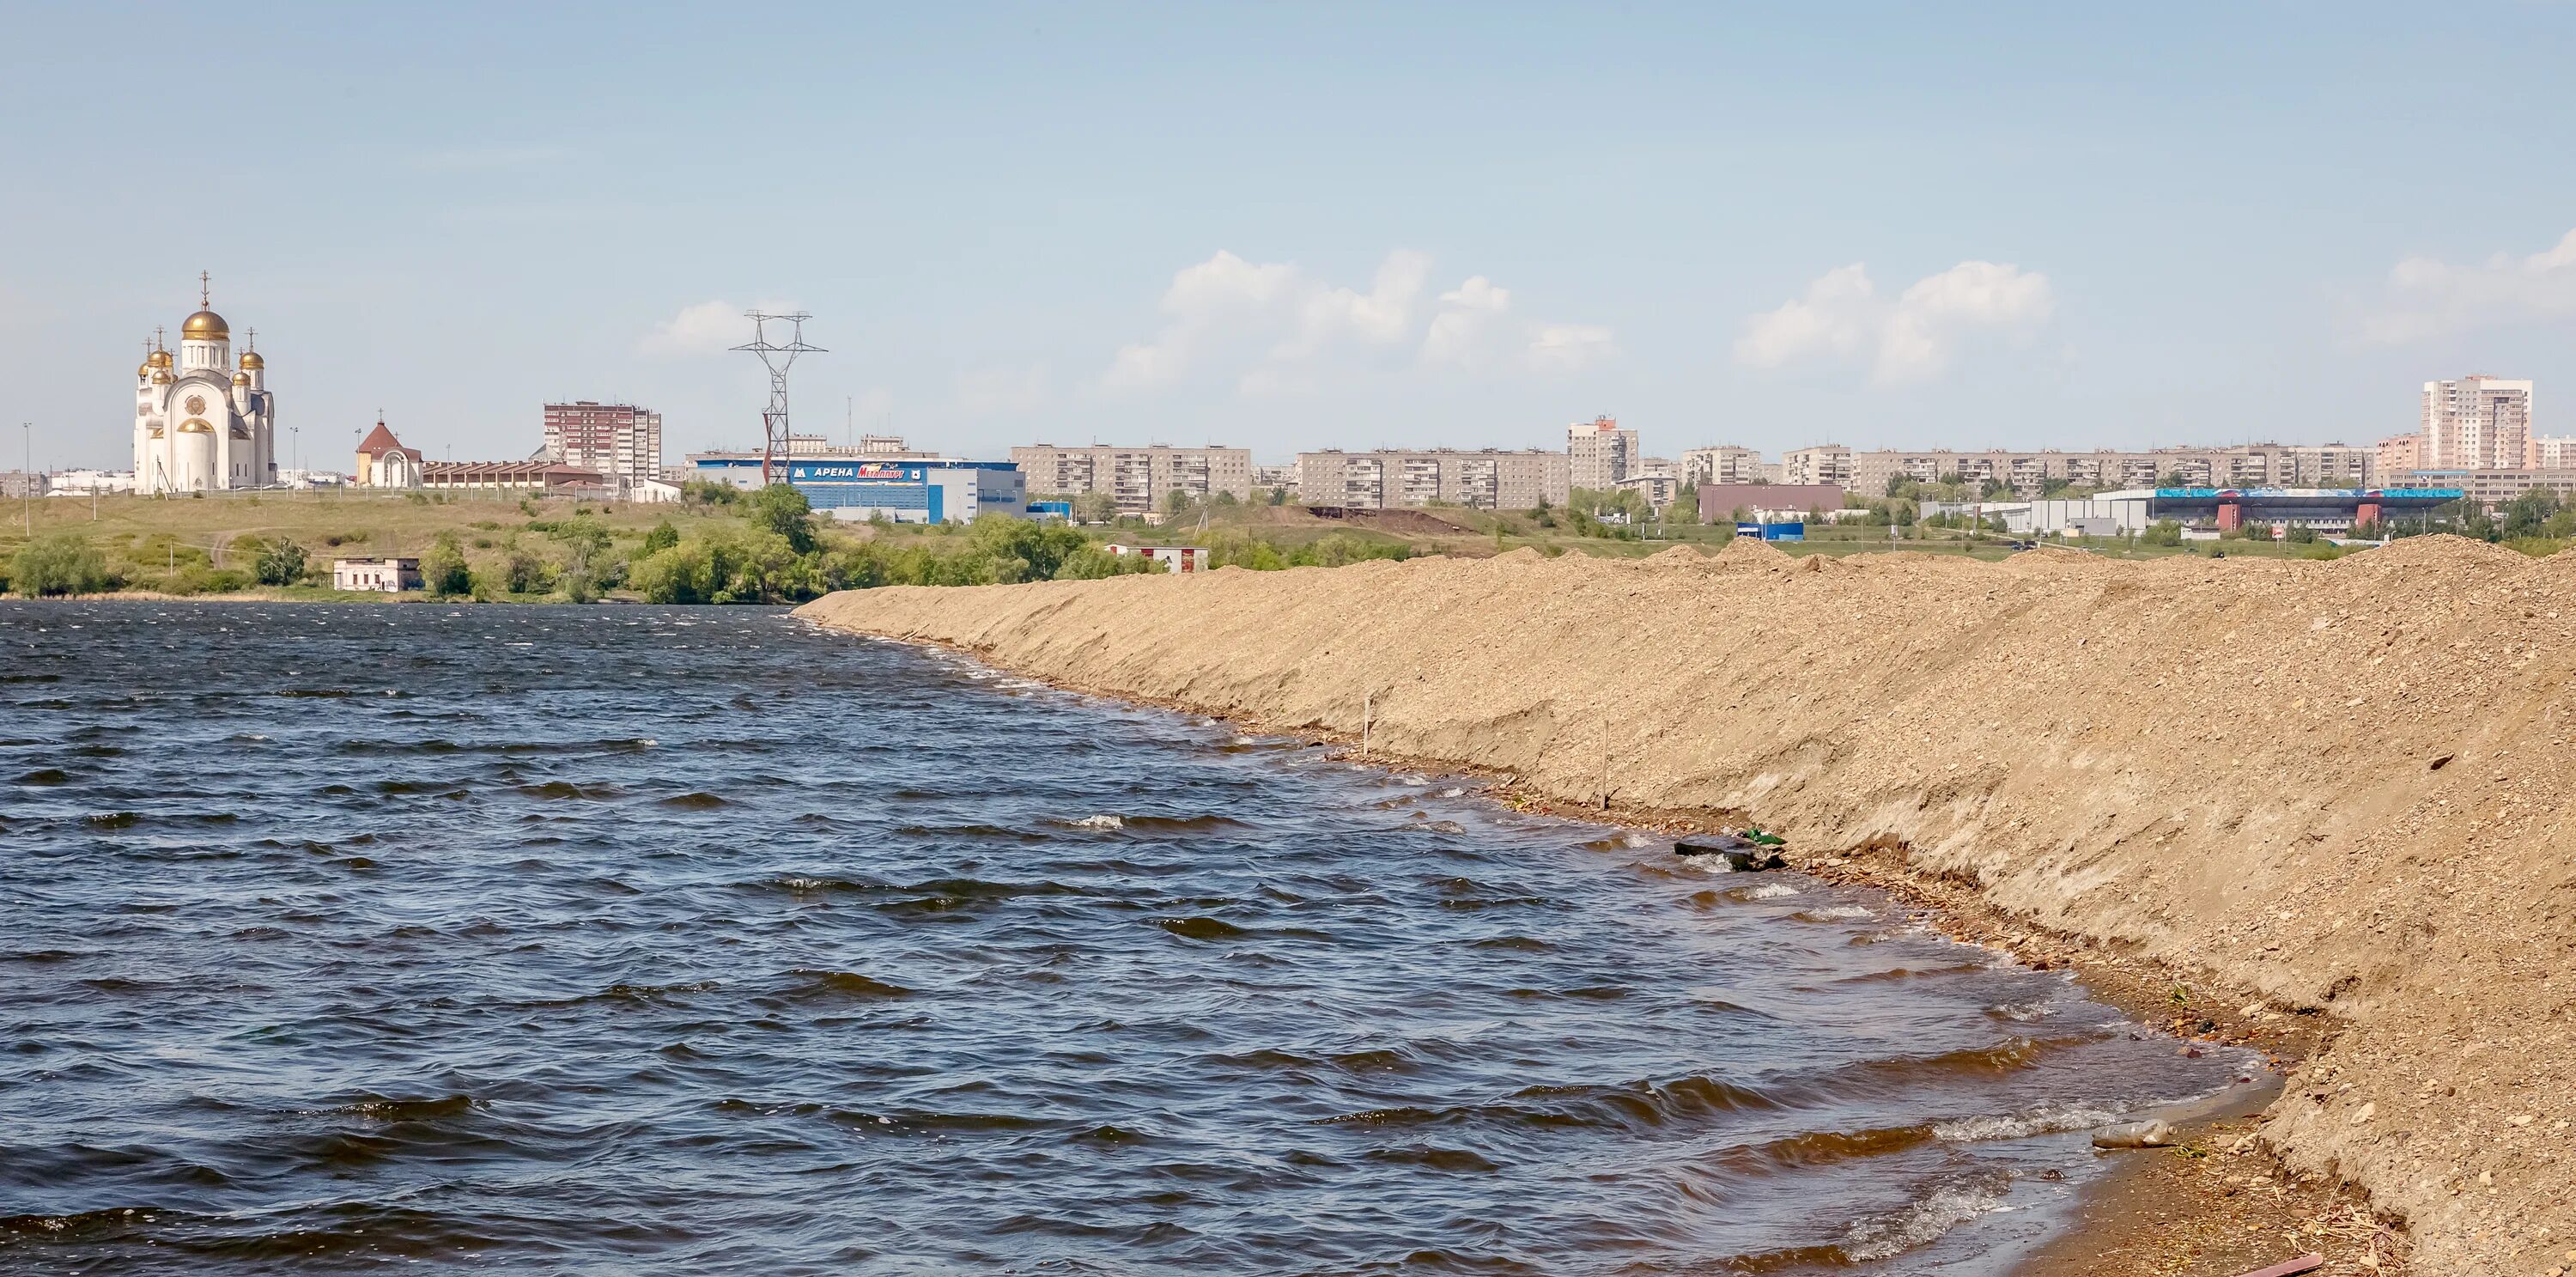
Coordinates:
[2344,786]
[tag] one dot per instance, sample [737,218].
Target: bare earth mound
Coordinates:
[2345,785]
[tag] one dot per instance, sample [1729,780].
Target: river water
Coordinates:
[646,940]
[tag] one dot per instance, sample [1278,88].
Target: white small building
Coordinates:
[89,483]
[1174,558]
[378,576]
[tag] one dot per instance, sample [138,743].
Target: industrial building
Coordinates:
[2222,509]
[1488,479]
[1140,480]
[1720,501]
[902,489]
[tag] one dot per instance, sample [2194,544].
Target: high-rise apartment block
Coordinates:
[2476,423]
[1488,479]
[1600,453]
[1140,480]
[619,440]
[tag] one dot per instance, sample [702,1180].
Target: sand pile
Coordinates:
[2345,786]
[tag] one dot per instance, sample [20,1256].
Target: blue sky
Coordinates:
[1299,226]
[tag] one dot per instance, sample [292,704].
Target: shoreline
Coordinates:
[2277,790]
[2218,1203]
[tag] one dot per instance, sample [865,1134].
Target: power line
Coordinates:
[777,359]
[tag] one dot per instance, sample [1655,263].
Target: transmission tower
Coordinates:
[776,358]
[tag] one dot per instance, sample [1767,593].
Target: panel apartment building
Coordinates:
[619,440]
[1140,480]
[1487,479]
[2247,466]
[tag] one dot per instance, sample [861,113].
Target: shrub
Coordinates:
[279,564]
[523,572]
[443,570]
[60,563]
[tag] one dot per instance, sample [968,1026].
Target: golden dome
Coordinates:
[241,379]
[162,377]
[144,369]
[159,359]
[196,426]
[205,325]
[251,359]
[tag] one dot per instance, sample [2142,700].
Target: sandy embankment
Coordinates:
[2345,787]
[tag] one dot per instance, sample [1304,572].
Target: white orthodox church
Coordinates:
[203,423]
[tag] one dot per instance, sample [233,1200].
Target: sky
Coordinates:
[1297,226]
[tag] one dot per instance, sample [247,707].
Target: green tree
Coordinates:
[523,571]
[781,509]
[279,564]
[1176,501]
[662,537]
[60,563]
[443,570]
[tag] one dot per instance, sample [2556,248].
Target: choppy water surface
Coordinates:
[696,941]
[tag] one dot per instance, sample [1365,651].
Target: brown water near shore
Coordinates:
[2334,789]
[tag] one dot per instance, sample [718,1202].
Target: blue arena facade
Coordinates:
[902,489]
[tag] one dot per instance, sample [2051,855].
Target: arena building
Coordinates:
[902,489]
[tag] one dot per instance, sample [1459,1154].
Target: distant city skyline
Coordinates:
[1256,228]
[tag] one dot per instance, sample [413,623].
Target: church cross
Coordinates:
[157,331]
[253,343]
[205,291]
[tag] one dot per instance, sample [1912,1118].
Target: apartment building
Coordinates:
[619,440]
[2476,423]
[1724,463]
[1599,454]
[2027,473]
[1829,463]
[1487,479]
[1140,480]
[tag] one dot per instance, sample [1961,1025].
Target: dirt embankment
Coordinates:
[2344,787]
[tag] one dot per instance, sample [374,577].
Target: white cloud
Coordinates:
[706,328]
[1272,327]
[1915,335]
[987,391]
[2428,298]
[1569,347]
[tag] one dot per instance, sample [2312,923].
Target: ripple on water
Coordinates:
[649,940]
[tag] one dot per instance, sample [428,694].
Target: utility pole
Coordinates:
[27,473]
[777,359]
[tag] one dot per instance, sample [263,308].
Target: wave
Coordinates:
[809,985]
[390,1108]
[555,789]
[1109,821]
[698,800]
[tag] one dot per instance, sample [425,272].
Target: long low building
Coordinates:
[2136,509]
[538,477]
[1486,479]
[903,490]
